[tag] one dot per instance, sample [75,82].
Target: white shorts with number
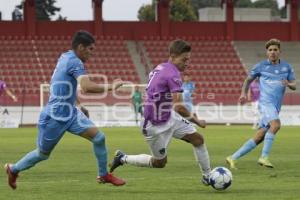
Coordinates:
[158,137]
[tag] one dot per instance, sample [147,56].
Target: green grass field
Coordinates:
[71,170]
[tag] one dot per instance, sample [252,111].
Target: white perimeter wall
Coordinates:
[124,115]
[240,14]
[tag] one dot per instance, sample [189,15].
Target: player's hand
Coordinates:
[85,111]
[243,99]
[201,123]
[15,99]
[285,82]
[117,83]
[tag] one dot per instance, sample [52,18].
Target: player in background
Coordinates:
[137,101]
[61,114]
[274,76]
[165,116]
[253,96]
[4,88]
[188,87]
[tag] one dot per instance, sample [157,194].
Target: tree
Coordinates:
[61,18]
[44,9]
[180,10]
[147,12]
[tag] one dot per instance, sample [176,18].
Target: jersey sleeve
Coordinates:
[174,84]
[255,71]
[2,85]
[291,75]
[76,68]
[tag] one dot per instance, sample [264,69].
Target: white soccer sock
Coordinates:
[142,160]
[202,157]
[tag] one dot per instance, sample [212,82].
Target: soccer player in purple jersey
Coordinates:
[165,116]
[4,88]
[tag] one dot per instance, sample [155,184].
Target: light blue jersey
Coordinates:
[271,87]
[188,89]
[61,114]
[63,88]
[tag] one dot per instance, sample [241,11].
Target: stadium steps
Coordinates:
[136,58]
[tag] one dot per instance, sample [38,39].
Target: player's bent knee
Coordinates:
[197,140]
[99,138]
[276,127]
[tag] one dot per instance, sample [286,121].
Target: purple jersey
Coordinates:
[163,80]
[254,89]
[2,86]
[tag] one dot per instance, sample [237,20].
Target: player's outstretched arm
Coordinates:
[88,86]
[245,89]
[9,93]
[290,84]
[180,108]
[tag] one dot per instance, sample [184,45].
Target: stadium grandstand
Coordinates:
[223,52]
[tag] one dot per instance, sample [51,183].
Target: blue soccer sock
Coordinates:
[246,148]
[28,161]
[100,153]
[269,138]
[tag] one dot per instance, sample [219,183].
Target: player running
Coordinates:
[165,116]
[274,76]
[4,88]
[61,113]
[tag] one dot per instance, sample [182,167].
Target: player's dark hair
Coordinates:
[82,37]
[178,47]
[273,41]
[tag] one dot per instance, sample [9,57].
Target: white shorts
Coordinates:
[158,137]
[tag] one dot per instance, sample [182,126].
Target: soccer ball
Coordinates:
[220,178]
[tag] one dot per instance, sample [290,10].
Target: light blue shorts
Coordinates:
[268,113]
[51,130]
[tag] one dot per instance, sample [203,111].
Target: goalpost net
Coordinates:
[113,108]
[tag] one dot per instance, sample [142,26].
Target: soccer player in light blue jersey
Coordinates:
[61,114]
[274,76]
[188,87]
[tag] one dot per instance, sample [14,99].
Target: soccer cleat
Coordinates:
[11,177]
[110,178]
[231,162]
[264,161]
[117,160]
[205,180]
